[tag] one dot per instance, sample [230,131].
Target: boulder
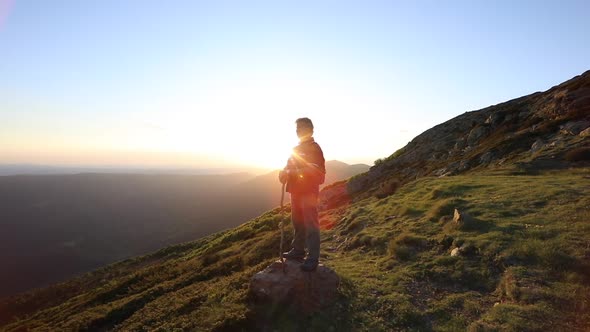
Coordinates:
[574,127]
[306,291]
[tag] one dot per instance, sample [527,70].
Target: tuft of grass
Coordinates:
[388,188]
[553,254]
[405,246]
[443,208]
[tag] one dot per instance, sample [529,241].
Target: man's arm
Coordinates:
[316,164]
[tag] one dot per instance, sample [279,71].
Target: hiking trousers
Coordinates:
[304,216]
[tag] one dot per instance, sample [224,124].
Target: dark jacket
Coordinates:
[307,168]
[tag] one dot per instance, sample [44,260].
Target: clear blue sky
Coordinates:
[211,83]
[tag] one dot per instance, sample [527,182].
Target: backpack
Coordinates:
[322,175]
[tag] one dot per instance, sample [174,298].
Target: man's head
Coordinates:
[304,128]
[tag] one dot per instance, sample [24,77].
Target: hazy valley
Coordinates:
[56,226]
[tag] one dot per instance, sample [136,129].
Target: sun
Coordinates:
[270,155]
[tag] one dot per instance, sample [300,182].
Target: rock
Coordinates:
[574,127]
[538,145]
[585,132]
[440,172]
[455,252]
[493,119]
[456,216]
[307,291]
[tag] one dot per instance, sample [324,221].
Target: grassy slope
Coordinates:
[525,267]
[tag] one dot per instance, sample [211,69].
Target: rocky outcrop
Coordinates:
[307,291]
[543,125]
[574,127]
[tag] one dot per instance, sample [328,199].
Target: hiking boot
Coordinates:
[309,265]
[294,254]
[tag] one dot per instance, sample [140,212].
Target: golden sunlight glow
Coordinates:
[251,122]
[243,119]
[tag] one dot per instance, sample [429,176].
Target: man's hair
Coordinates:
[304,122]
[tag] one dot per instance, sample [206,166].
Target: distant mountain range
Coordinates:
[33,169]
[56,226]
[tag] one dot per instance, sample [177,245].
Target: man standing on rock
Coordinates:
[304,173]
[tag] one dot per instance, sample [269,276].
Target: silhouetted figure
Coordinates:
[304,173]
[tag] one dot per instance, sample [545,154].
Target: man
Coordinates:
[304,173]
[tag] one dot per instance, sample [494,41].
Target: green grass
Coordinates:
[525,267]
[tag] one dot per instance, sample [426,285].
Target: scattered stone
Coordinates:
[496,304]
[455,252]
[457,216]
[388,218]
[585,132]
[440,172]
[331,249]
[307,291]
[462,219]
[538,145]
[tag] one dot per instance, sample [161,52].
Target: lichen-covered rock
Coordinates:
[307,291]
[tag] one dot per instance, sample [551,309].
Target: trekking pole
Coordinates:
[282,228]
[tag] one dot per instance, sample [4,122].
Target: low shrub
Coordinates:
[387,188]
